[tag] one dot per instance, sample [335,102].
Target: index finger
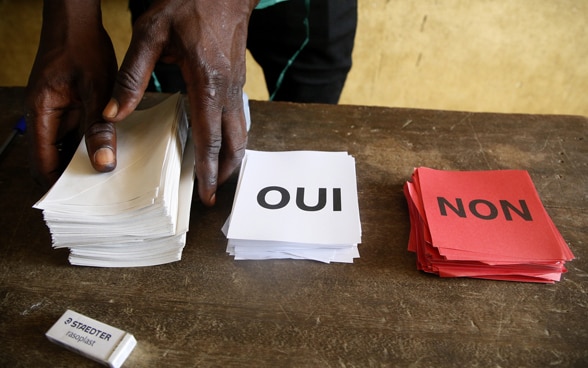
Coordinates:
[134,74]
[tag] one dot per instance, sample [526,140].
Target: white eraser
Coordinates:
[96,340]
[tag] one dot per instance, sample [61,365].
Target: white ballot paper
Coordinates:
[138,214]
[298,205]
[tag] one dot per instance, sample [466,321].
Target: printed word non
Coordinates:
[484,209]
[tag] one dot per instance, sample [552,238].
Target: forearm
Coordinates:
[64,18]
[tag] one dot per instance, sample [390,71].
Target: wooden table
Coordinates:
[209,310]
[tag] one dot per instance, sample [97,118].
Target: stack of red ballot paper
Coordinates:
[483,224]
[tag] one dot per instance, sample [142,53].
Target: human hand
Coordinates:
[207,40]
[69,85]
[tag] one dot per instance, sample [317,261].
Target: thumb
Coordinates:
[101,145]
[100,135]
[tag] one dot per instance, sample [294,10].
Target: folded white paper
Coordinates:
[297,204]
[138,214]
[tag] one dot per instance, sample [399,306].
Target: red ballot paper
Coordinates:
[483,224]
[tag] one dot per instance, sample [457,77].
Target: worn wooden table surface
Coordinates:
[209,310]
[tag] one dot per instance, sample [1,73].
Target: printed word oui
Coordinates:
[283,197]
[484,209]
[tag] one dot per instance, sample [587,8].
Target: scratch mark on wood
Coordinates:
[31,308]
[477,138]
[506,318]
[544,144]
[286,314]
[475,325]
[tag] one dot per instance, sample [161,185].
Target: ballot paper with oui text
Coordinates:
[297,205]
[483,224]
[138,214]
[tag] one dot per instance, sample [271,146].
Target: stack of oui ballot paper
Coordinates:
[297,205]
[483,224]
[138,214]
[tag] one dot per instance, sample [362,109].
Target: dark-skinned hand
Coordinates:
[207,40]
[70,83]
[74,73]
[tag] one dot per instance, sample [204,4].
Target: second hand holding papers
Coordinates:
[297,205]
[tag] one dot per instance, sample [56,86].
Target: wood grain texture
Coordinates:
[209,310]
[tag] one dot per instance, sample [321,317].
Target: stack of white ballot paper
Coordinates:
[138,214]
[298,205]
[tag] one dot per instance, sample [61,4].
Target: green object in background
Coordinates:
[265,3]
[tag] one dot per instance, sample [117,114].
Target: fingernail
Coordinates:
[104,157]
[111,109]
[213,198]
